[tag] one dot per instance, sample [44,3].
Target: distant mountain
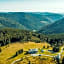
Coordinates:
[25,20]
[57,27]
[6,22]
[52,16]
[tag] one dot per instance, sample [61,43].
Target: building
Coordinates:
[33,51]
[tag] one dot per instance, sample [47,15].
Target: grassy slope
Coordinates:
[37,60]
[11,50]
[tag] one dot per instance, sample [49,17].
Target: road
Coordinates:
[18,60]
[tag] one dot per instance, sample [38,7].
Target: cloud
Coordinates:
[32,5]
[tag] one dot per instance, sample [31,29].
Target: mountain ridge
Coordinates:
[56,27]
[24,20]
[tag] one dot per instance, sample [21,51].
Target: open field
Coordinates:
[9,51]
[37,60]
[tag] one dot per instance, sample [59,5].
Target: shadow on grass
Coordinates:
[16,54]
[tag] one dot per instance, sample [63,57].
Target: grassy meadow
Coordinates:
[7,52]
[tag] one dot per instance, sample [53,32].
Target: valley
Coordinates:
[31,38]
[29,21]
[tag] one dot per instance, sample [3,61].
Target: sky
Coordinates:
[56,6]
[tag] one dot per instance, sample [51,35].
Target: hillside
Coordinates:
[57,27]
[10,51]
[24,20]
[6,22]
[52,17]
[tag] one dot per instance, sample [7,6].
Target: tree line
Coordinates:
[9,35]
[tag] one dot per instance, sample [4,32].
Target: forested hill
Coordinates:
[9,35]
[57,27]
[24,20]
[51,16]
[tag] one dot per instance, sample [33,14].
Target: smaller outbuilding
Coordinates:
[33,51]
[51,51]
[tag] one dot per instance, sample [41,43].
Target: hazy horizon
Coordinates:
[55,6]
